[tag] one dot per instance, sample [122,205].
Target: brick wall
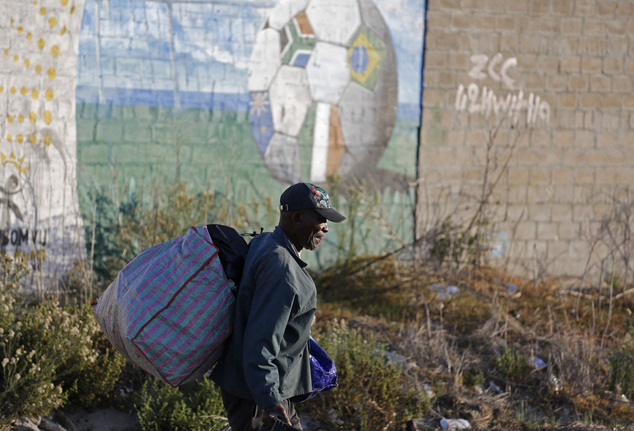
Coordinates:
[537,93]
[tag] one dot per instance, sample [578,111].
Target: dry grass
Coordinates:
[455,342]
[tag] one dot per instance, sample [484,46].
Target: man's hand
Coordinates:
[277,411]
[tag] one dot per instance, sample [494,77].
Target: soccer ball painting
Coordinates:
[323,89]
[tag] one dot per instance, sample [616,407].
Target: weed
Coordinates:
[453,246]
[622,367]
[373,393]
[51,354]
[474,378]
[196,406]
[513,365]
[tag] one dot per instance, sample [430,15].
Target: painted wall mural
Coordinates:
[246,94]
[39,213]
[336,58]
[323,82]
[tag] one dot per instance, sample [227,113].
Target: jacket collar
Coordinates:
[285,241]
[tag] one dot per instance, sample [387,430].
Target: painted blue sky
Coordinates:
[211,44]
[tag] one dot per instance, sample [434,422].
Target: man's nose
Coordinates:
[324,227]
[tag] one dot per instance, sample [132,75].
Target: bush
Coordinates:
[51,354]
[123,229]
[513,365]
[196,406]
[622,367]
[26,380]
[373,393]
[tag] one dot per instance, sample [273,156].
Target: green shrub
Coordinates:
[50,354]
[452,245]
[196,406]
[513,365]
[128,223]
[373,393]
[622,367]
[473,378]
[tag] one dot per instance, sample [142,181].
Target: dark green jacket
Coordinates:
[266,358]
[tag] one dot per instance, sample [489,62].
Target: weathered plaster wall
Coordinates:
[532,97]
[558,74]
[39,211]
[243,97]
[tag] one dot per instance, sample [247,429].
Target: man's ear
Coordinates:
[297,216]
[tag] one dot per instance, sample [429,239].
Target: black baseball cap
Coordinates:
[305,196]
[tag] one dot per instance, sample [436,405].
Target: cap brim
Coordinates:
[331,214]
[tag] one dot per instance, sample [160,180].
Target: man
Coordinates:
[266,359]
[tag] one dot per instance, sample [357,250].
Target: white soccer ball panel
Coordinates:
[284,11]
[328,72]
[265,60]
[366,144]
[334,20]
[282,158]
[373,19]
[290,100]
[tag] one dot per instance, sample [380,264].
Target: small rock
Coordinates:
[537,363]
[48,425]
[25,424]
[454,424]
[495,387]
[398,360]
[419,425]
[445,292]
[555,383]
[429,391]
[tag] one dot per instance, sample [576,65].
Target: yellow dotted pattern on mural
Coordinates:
[30,117]
[49,95]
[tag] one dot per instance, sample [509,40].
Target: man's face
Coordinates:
[311,229]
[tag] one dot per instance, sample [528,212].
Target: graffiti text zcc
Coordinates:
[478,99]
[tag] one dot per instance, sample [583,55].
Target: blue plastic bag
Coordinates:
[323,372]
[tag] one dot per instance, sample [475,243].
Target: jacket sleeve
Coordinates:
[271,309]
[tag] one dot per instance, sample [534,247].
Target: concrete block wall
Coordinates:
[40,222]
[537,93]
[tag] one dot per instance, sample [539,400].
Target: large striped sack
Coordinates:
[171,308]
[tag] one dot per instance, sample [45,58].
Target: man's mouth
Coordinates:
[317,239]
